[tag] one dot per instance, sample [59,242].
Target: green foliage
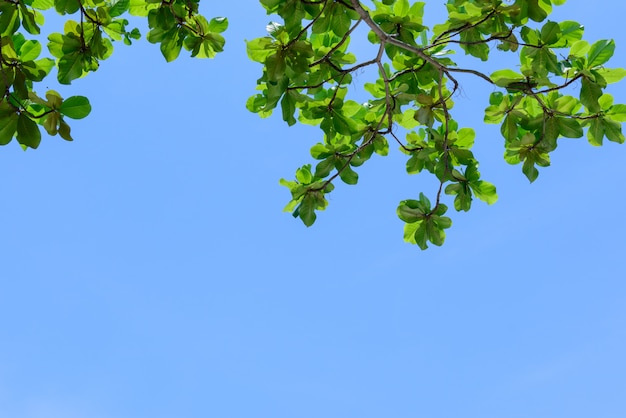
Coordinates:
[307,73]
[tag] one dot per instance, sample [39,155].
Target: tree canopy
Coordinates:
[309,63]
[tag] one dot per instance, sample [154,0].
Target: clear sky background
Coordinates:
[147,269]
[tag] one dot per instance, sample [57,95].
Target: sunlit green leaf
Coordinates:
[75,107]
[600,52]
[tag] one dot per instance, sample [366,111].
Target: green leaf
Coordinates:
[611,75]
[306,210]
[579,49]
[29,50]
[529,169]
[566,104]
[51,123]
[613,131]
[509,128]
[409,211]
[348,175]
[28,20]
[324,167]
[42,4]
[70,68]
[8,127]
[304,175]
[119,8]
[171,44]
[600,52]
[595,133]
[64,130]
[473,45]
[260,48]
[425,116]
[535,11]
[401,8]
[9,18]
[75,107]
[504,78]
[67,6]
[570,128]
[590,92]
[28,133]
[465,138]
[570,32]
[288,107]
[617,113]
[485,191]
[381,146]
[218,24]
[550,33]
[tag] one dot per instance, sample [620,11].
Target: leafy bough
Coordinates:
[308,68]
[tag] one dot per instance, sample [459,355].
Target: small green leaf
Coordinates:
[218,24]
[51,122]
[304,175]
[530,170]
[64,130]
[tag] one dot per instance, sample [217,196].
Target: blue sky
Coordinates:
[147,268]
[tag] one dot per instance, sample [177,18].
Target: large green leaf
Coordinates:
[600,52]
[75,107]
[28,133]
[70,67]
[119,8]
[8,127]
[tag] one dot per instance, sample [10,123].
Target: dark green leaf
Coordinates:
[550,33]
[8,127]
[570,128]
[28,132]
[70,68]
[119,8]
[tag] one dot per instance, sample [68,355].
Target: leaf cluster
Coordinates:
[86,40]
[308,70]
[308,75]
